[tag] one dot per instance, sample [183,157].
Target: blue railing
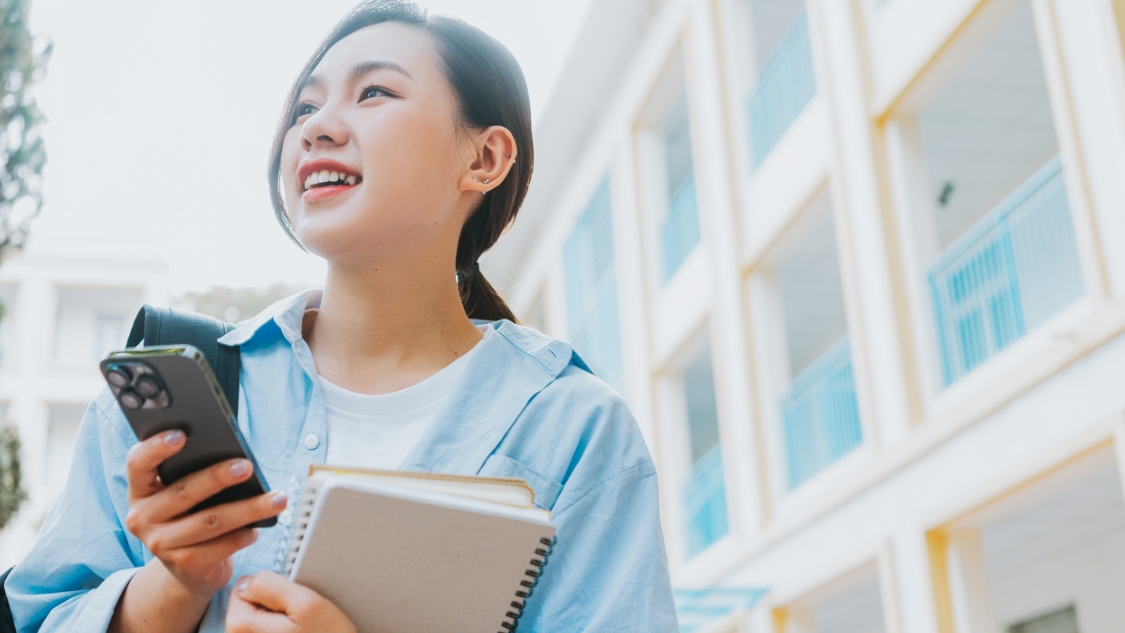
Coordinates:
[785,86]
[705,502]
[820,414]
[680,232]
[699,608]
[1013,270]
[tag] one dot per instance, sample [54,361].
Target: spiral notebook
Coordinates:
[408,552]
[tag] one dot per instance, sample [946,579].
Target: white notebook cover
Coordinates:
[402,560]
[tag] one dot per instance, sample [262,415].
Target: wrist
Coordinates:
[177,586]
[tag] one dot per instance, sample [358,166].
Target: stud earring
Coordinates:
[475,179]
[507,155]
[486,181]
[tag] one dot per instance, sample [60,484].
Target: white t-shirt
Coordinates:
[366,431]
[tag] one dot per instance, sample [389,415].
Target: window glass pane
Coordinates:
[680,230]
[591,290]
[703,417]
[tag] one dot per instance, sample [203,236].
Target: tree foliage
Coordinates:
[23,62]
[12,493]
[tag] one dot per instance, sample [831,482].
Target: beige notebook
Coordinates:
[405,552]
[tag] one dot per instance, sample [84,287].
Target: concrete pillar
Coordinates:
[879,322]
[915,582]
[719,225]
[968,583]
[1085,70]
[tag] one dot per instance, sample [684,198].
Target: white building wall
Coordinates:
[931,454]
[51,364]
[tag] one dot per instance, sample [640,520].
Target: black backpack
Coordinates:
[165,326]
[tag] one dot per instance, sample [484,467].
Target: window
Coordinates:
[785,80]
[593,323]
[999,215]
[110,332]
[705,502]
[1061,621]
[819,411]
[680,230]
[89,322]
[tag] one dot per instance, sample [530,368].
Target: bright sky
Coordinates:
[161,116]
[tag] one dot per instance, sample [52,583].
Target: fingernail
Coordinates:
[173,437]
[240,468]
[279,500]
[243,583]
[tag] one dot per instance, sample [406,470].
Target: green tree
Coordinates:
[12,493]
[23,62]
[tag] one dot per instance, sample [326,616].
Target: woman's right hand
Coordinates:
[195,548]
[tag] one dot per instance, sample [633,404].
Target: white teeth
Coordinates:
[325,176]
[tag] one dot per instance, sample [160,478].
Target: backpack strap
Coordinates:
[7,622]
[165,326]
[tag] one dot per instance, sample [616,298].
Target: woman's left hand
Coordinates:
[268,603]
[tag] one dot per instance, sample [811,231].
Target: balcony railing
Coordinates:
[680,232]
[1014,269]
[820,414]
[705,502]
[785,86]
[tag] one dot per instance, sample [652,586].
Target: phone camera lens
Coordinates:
[118,377]
[130,400]
[148,387]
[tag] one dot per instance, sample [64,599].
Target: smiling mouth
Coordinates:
[328,178]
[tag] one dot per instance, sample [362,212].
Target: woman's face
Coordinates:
[372,169]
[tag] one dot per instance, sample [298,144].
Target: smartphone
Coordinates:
[172,387]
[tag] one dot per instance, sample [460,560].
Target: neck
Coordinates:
[379,330]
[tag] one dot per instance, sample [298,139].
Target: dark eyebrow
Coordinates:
[362,68]
[358,71]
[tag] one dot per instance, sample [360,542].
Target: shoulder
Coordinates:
[571,388]
[576,431]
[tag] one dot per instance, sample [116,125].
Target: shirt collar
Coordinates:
[287,314]
[551,354]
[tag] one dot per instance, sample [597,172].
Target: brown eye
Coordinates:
[371,92]
[303,110]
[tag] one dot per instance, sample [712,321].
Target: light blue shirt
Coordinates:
[527,406]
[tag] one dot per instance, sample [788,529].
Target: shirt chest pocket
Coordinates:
[546,489]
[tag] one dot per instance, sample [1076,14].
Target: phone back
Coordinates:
[172,387]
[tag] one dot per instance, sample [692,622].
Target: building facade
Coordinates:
[858,266]
[67,303]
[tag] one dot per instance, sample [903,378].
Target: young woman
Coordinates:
[403,153]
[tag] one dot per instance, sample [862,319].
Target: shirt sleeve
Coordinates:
[609,569]
[84,557]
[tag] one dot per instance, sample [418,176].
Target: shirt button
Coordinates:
[312,441]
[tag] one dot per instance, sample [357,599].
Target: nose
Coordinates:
[323,129]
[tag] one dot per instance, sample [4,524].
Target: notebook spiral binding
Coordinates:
[529,585]
[301,523]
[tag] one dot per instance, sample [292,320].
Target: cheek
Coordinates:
[409,154]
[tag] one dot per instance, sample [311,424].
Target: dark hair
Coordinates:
[490,89]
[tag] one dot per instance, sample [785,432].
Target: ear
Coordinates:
[494,153]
